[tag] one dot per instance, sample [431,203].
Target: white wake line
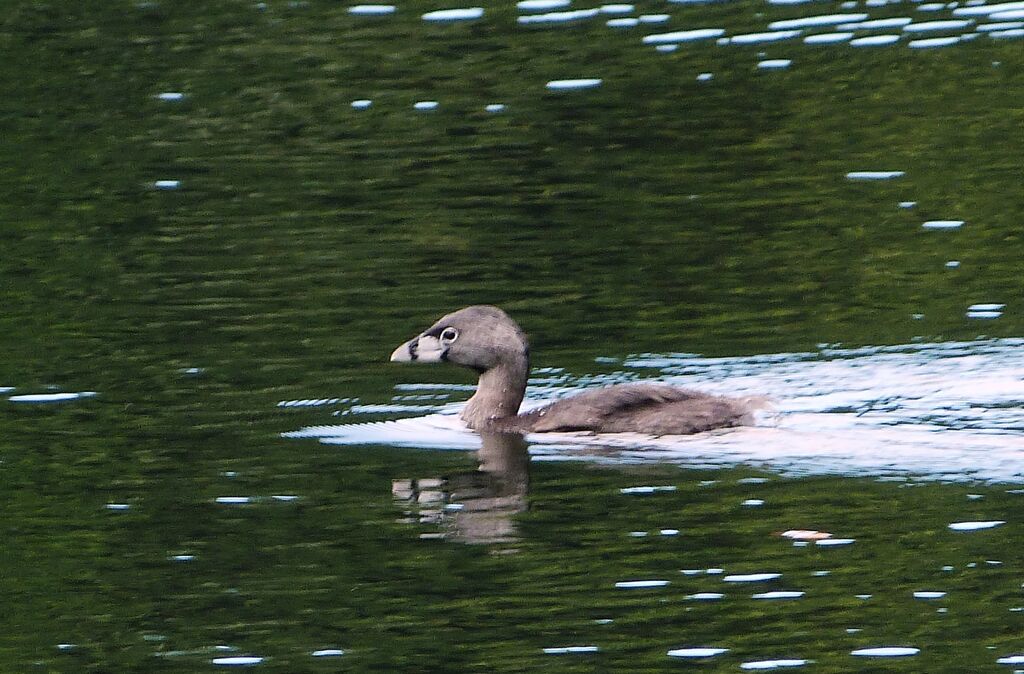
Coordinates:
[918,451]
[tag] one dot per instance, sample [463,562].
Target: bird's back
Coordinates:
[654,409]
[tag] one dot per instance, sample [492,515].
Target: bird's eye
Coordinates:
[449,335]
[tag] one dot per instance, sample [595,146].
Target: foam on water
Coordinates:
[941,411]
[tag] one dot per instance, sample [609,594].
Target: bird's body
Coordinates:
[486,340]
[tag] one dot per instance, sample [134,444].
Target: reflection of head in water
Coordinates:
[476,506]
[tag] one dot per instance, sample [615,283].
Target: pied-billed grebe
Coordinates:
[485,339]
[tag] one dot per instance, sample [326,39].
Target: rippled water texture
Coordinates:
[219,218]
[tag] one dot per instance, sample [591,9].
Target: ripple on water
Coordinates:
[698,652]
[774,64]
[237,661]
[927,26]
[773,664]
[570,650]
[751,577]
[574,85]
[976,526]
[874,175]
[886,652]
[328,653]
[51,397]
[556,18]
[233,500]
[648,489]
[454,15]
[828,38]
[933,42]
[929,594]
[541,5]
[878,24]
[942,224]
[778,594]
[812,21]
[1011,660]
[684,36]
[371,10]
[640,584]
[759,38]
[874,41]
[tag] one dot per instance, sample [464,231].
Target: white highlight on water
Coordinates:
[774,64]
[640,584]
[328,653]
[874,175]
[573,85]
[238,661]
[51,397]
[700,652]
[751,577]
[886,652]
[541,5]
[684,36]
[773,664]
[371,10]
[874,40]
[778,594]
[454,15]
[812,21]
[976,526]
[943,224]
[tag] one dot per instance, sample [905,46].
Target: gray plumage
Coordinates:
[485,339]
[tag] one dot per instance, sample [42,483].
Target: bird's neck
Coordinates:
[499,393]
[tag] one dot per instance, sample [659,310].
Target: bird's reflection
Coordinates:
[474,506]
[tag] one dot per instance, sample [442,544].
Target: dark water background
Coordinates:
[655,214]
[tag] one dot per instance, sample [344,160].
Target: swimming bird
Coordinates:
[485,339]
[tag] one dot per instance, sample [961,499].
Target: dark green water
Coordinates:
[307,239]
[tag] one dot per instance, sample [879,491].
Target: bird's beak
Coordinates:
[422,349]
[406,352]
